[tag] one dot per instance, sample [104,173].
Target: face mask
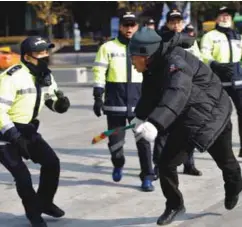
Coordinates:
[227,24]
[41,71]
[43,63]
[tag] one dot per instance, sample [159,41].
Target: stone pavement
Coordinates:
[87,192]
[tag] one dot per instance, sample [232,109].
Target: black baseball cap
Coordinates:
[225,9]
[175,13]
[150,21]
[128,18]
[35,44]
[189,28]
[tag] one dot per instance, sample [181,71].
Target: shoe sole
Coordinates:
[147,189]
[117,180]
[234,205]
[190,174]
[54,216]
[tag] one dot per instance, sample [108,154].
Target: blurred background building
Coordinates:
[93,17]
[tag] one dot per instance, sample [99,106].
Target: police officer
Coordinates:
[175,23]
[221,48]
[183,98]
[150,23]
[190,30]
[24,88]
[115,77]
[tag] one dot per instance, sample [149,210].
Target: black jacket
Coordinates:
[179,91]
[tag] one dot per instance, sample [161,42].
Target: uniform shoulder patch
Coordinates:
[14,69]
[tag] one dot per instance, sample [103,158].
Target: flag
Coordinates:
[187,14]
[114,27]
[163,16]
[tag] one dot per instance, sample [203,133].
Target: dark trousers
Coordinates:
[40,153]
[159,145]
[116,143]
[175,153]
[236,96]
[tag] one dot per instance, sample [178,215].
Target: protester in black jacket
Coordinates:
[167,32]
[183,98]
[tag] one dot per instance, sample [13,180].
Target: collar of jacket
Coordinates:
[33,70]
[122,39]
[223,30]
[229,32]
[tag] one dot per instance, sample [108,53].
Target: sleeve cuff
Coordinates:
[162,118]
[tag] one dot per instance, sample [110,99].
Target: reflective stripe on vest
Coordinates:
[5,101]
[117,108]
[26,91]
[236,83]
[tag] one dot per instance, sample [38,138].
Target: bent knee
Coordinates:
[52,162]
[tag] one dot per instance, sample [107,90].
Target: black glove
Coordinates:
[35,123]
[22,146]
[98,106]
[62,104]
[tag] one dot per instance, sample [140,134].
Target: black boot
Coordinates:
[240,153]
[169,215]
[38,222]
[53,211]
[231,201]
[192,170]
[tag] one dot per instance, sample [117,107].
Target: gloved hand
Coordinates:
[98,106]
[62,104]
[147,130]
[22,146]
[137,123]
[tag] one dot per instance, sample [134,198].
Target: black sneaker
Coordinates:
[169,215]
[38,222]
[231,201]
[53,211]
[193,171]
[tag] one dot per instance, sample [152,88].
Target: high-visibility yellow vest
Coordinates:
[114,72]
[18,95]
[215,46]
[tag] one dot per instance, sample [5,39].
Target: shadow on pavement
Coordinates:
[90,152]
[10,220]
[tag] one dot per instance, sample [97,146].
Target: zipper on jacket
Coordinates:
[129,80]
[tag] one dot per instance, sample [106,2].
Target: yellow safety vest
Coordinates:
[215,47]
[114,72]
[18,96]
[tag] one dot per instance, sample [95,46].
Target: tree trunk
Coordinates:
[50,35]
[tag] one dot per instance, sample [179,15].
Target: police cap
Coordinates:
[35,44]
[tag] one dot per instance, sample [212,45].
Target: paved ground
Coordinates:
[87,192]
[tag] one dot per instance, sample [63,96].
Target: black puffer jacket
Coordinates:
[179,91]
